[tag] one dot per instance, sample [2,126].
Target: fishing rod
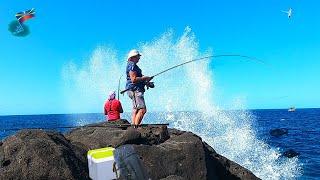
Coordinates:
[119,87]
[199,59]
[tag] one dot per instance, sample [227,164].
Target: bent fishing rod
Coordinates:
[199,59]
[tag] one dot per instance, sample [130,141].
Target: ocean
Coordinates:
[242,136]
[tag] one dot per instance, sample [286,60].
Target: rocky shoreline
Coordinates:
[165,153]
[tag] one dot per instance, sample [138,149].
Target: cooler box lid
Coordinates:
[102,154]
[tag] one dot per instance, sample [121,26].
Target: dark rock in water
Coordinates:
[291,153]
[278,132]
[168,154]
[36,154]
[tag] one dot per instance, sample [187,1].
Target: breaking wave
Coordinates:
[185,94]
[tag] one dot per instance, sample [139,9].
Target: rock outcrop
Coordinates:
[165,153]
[36,154]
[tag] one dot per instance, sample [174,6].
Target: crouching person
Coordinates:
[112,107]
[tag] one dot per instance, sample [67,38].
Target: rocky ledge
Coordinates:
[165,153]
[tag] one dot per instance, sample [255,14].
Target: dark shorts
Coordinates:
[137,98]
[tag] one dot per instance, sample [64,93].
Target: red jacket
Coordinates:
[113,108]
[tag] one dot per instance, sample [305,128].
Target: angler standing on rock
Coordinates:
[135,87]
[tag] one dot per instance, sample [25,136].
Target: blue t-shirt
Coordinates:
[131,66]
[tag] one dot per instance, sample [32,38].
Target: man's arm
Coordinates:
[135,79]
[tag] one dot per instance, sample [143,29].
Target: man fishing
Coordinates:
[136,81]
[135,87]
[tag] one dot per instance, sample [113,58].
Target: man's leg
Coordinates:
[141,106]
[139,116]
[133,116]
[131,94]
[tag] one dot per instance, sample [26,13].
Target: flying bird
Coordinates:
[289,12]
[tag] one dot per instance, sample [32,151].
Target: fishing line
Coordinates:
[207,58]
[204,58]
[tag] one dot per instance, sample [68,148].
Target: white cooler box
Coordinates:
[100,163]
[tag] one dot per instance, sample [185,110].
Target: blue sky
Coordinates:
[30,67]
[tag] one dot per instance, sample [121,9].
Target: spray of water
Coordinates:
[86,87]
[186,88]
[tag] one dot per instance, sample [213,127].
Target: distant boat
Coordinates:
[292,109]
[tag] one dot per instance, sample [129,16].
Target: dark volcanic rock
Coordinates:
[111,134]
[154,135]
[278,132]
[219,167]
[98,135]
[167,154]
[291,153]
[181,156]
[36,154]
[185,156]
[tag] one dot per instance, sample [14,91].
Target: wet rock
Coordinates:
[111,134]
[278,132]
[154,135]
[130,136]
[185,155]
[219,167]
[181,156]
[98,135]
[165,153]
[291,153]
[36,154]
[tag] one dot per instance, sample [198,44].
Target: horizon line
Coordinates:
[150,111]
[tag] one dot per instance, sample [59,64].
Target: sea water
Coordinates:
[252,147]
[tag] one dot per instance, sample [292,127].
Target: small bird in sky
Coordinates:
[289,12]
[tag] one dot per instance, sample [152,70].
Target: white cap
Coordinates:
[112,95]
[133,53]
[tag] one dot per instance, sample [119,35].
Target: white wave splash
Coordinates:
[190,87]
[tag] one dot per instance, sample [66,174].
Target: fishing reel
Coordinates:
[150,85]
